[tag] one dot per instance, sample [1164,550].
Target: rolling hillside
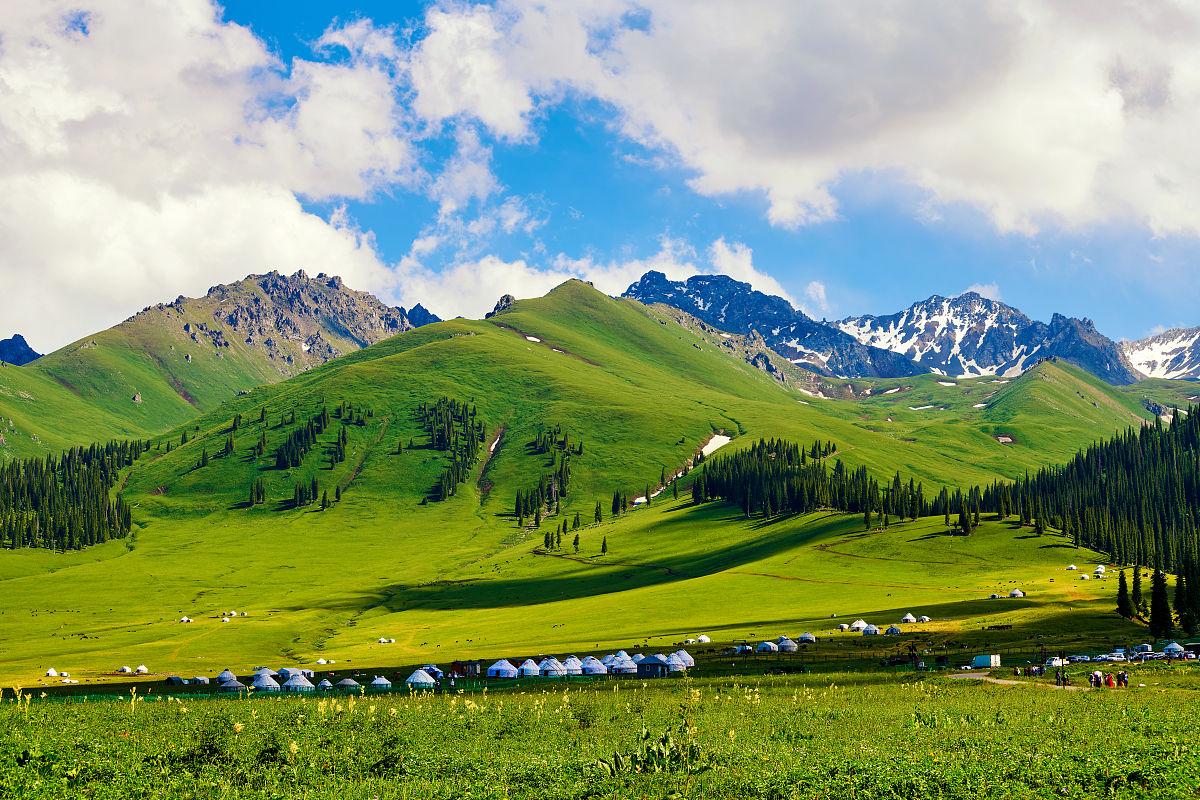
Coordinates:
[636,393]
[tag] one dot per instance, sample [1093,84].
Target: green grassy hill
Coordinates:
[460,578]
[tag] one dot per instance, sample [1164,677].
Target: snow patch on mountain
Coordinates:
[1173,354]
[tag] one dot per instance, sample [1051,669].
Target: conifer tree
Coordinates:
[337,493]
[1124,603]
[599,513]
[577,544]
[324,499]
[1160,607]
[204,457]
[604,546]
[1139,602]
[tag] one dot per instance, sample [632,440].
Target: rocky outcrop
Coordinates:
[15,350]
[502,305]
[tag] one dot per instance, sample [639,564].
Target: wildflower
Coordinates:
[293,748]
[237,727]
[393,712]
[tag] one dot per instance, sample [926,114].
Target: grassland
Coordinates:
[850,736]
[460,578]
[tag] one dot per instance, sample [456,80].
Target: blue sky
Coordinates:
[448,153]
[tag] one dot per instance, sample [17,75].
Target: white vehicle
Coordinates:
[1115,657]
[1056,662]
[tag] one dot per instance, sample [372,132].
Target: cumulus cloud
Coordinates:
[737,261]
[151,149]
[815,304]
[1034,112]
[989,290]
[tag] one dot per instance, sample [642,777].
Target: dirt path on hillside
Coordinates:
[1003,682]
[485,487]
[366,452]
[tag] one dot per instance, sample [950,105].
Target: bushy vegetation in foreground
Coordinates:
[786,737]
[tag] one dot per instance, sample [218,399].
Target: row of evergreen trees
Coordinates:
[64,503]
[453,426]
[300,441]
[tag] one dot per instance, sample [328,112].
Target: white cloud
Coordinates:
[150,149]
[737,261]
[816,303]
[989,290]
[1034,112]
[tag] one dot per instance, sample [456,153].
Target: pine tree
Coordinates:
[337,493]
[616,504]
[1160,607]
[604,546]
[599,513]
[647,495]
[324,499]
[558,540]
[546,540]
[1139,602]
[675,489]
[1124,604]
[577,544]
[204,457]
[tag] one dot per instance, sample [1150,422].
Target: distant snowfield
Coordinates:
[997,381]
[979,405]
[726,336]
[532,339]
[947,383]
[892,391]
[714,444]
[919,408]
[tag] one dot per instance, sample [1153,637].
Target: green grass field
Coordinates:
[834,735]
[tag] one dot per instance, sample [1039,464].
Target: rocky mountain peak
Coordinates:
[15,350]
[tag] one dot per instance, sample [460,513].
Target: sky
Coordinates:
[853,157]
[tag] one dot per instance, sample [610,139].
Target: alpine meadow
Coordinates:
[548,407]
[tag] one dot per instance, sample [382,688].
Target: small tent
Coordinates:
[224,619]
[233,686]
[1085,577]
[653,667]
[745,648]
[924,618]
[298,683]
[1100,569]
[286,673]
[325,685]
[675,663]
[141,669]
[322,661]
[200,680]
[608,660]
[637,657]
[1072,567]
[908,618]
[572,665]
[689,641]
[870,630]
[420,679]
[348,683]
[767,647]
[893,631]
[1016,593]
[807,638]
[381,682]
[1144,648]
[502,669]
[623,666]
[788,646]
[593,666]
[552,668]
[127,670]
[529,669]
[703,639]
[265,683]
[858,625]
[1174,649]
[267,671]
[781,639]
[622,654]
[843,627]
[686,658]
[225,675]
[994,597]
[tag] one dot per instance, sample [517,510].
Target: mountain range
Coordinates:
[964,336]
[15,350]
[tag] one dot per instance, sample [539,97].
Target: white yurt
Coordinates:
[689,641]
[322,661]
[552,668]
[126,670]
[767,647]
[593,666]
[1085,577]
[233,686]
[200,680]
[52,673]
[420,679]
[639,658]
[265,683]
[381,640]
[994,597]
[224,619]
[502,669]
[893,631]
[686,658]
[807,638]
[141,669]
[1100,569]
[1174,649]
[325,685]
[703,639]
[788,646]
[1141,648]
[870,630]
[1016,593]
[348,683]
[781,640]
[675,663]
[858,625]
[745,648]
[298,683]
[226,675]
[623,666]
[924,618]
[843,627]
[572,665]
[908,617]
[608,660]
[529,669]
[270,673]
[1072,567]
[286,673]
[622,654]
[381,682]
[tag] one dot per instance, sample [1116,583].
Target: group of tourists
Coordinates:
[1096,679]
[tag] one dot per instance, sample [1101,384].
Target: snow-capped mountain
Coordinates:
[972,335]
[735,307]
[1171,354]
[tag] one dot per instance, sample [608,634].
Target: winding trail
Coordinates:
[1002,682]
